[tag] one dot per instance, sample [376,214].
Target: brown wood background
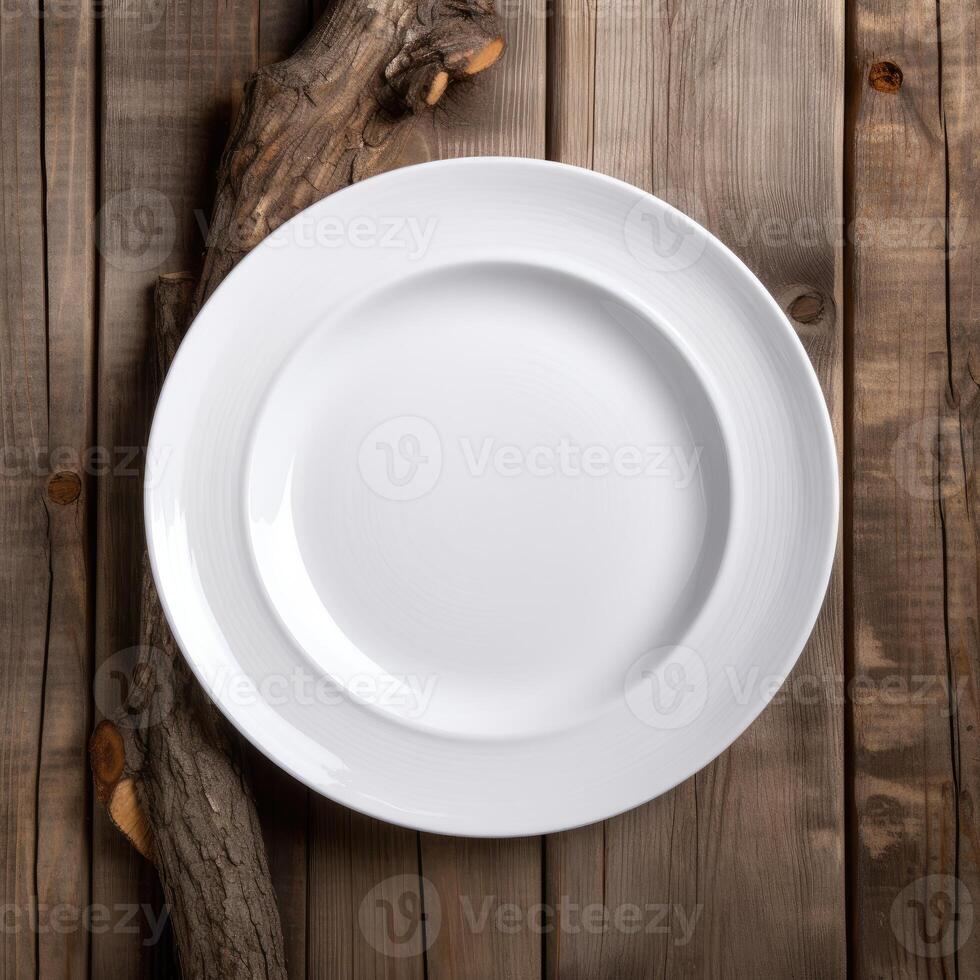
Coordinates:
[840,833]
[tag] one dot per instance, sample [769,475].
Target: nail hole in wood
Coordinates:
[885,76]
[806,308]
[64,487]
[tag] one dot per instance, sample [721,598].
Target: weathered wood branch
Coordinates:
[338,111]
[169,771]
[168,767]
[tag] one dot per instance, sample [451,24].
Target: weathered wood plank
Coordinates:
[70,138]
[959,30]
[574,873]
[366,911]
[282,25]
[490,907]
[572,50]
[172,74]
[25,572]
[911,278]
[501,113]
[733,113]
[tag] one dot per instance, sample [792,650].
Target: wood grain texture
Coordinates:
[572,51]
[366,910]
[172,74]
[46,324]
[911,280]
[25,559]
[282,26]
[959,37]
[361,74]
[503,115]
[733,113]
[491,911]
[70,152]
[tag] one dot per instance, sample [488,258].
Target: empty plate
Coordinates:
[489,496]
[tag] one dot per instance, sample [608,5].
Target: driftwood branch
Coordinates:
[169,771]
[168,768]
[338,111]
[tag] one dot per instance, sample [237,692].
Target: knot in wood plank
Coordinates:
[64,487]
[885,76]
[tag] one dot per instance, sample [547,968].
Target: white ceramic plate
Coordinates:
[488,496]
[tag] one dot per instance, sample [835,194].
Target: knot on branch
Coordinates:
[443,40]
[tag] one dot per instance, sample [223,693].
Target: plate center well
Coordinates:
[475,498]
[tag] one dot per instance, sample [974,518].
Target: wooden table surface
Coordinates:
[840,833]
